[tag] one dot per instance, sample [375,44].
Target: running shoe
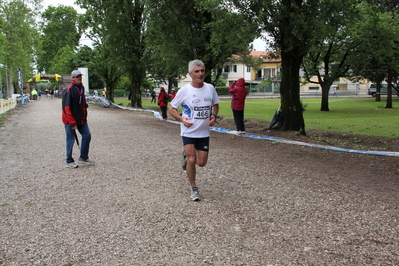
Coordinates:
[88,161]
[195,196]
[71,165]
[184,161]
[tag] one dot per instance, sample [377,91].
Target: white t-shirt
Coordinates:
[197,104]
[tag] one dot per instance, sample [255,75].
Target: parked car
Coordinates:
[383,90]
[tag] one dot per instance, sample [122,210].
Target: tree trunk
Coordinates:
[289,90]
[10,87]
[325,90]
[136,79]
[389,90]
[378,91]
[111,94]
[135,95]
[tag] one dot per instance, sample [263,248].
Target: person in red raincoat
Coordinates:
[173,94]
[239,92]
[163,102]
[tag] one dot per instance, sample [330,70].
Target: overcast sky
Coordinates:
[259,45]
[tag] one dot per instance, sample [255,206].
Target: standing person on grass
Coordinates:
[200,106]
[163,102]
[74,116]
[172,94]
[239,92]
[153,96]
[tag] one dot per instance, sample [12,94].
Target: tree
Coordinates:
[290,23]
[328,58]
[63,63]
[121,27]
[377,56]
[62,29]
[181,31]
[293,26]
[108,70]
[18,40]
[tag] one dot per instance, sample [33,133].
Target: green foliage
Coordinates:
[380,29]
[148,84]
[220,82]
[123,83]
[61,28]
[222,90]
[180,31]
[328,57]
[119,27]
[18,39]
[120,93]
[63,64]
[43,85]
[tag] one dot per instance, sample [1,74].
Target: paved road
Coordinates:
[263,203]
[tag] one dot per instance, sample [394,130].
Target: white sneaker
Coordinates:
[71,165]
[195,196]
[88,161]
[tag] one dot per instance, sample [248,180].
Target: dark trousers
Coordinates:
[70,140]
[164,114]
[239,120]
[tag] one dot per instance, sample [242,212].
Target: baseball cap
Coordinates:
[76,73]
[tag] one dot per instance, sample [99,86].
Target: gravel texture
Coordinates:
[264,203]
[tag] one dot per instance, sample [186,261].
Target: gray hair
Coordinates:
[194,63]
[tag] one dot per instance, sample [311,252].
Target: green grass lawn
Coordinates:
[363,116]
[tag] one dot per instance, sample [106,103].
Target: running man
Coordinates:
[200,106]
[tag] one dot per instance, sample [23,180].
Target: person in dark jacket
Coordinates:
[163,102]
[153,96]
[239,92]
[74,116]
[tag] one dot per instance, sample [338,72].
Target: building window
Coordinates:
[248,69]
[226,69]
[313,88]
[235,68]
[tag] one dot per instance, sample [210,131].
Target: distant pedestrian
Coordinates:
[172,94]
[34,94]
[163,102]
[239,92]
[153,96]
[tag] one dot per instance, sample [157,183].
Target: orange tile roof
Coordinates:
[265,56]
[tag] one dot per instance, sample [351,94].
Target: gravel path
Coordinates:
[263,203]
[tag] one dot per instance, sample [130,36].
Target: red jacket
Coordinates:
[161,97]
[173,95]
[239,93]
[74,106]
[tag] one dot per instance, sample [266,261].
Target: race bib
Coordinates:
[202,112]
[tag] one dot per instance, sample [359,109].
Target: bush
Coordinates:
[222,90]
[120,93]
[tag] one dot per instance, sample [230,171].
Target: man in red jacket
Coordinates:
[74,116]
[239,92]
